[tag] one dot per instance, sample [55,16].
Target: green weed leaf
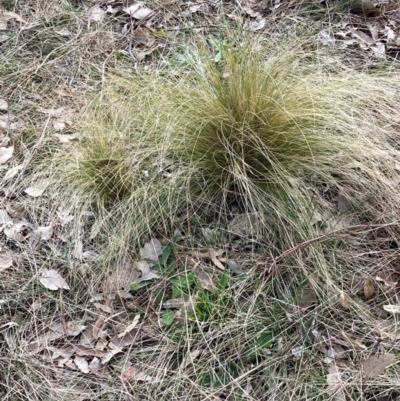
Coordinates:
[168,317]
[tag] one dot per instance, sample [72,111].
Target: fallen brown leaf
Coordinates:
[392,308]
[100,320]
[369,289]
[110,354]
[103,308]
[308,297]
[335,383]
[82,364]
[83,350]
[130,327]
[7,15]
[63,92]
[213,257]
[374,365]
[6,154]
[388,283]
[206,280]
[52,280]
[345,300]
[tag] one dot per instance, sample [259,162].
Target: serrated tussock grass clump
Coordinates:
[267,133]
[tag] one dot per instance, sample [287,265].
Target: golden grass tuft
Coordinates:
[264,131]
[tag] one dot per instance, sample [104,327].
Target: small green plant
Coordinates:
[209,306]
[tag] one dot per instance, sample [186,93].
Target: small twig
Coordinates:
[354,229]
[62,314]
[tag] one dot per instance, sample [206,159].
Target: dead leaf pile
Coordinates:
[89,344]
[379,38]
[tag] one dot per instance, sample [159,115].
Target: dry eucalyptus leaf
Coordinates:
[374,365]
[6,154]
[137,11]
[12,172]
[3,105]
[379,50]
[6,122]
[71,328]
[94,365]
[81,363]
[5,16]
[150,275]
[308,297]
[96,13]
[70,365]
[206,281]
[142,13]
[252,13]
[392,308]
[52,280]
[388,283]
[63,32]
[142,377]
[363,37]
[4,217]
[59,126]
[110,354]
[43,341]
[142,36]
[65,352]
[63,92]
[45,232]
[213,257]
[34,238]
[88,350]
[124,294]
[37,189]
[5,261]
[13,233]
[130,327]
[335,383]
[102,307]
[65,217]
[297,352]
[326,38]
[151,250]
[345,300]
[244,225]
[369,289]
